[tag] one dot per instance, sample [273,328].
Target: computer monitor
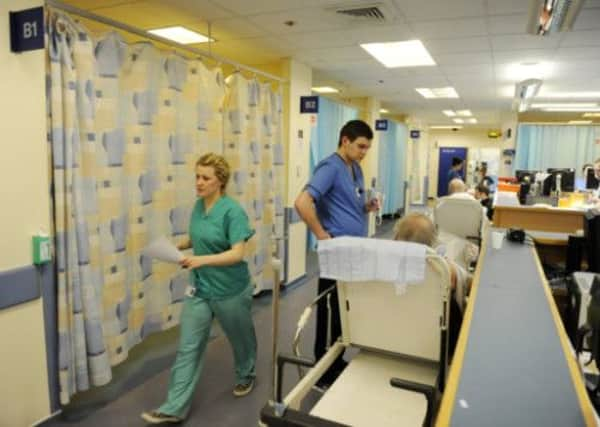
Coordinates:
[591,182]
[567,179]
[522,174]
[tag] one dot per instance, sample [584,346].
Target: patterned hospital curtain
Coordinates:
[254,149]
[126,125]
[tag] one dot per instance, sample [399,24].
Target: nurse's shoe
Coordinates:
[155,417]
[241,390]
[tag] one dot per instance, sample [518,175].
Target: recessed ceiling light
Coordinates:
[591,115]
[409,53]
[472,120]
[440,92]
[580,122]
[572,109]
[445,127]
[464,113]
[324,89]
[564,105]
[449,113]
[569,95]
[384,111]
[180,35]
[461,121]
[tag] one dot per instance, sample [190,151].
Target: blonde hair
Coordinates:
[415,227]
[220,166]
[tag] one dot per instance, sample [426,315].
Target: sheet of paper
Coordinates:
[163,250]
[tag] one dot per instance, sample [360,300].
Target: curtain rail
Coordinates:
[133,30]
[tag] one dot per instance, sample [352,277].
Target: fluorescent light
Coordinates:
[461,121]
[575,95]
[472,120]
[409,53]
[440,92]
[383,111]
[180,35]
[464,113]
[573,109]
[445,127]
[324,89]
[564,105]
[591,115]
[580,122]
[449,113]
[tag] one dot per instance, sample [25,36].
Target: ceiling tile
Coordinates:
[449,28]
[581,38]
[473,58]
[459,45]
[506,7]
[469,71]
[235,28]
[508,24]
[306,20]
[422,10]
[524,41]
[588,19]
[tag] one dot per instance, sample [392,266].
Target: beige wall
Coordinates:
[298,150]
[25,209]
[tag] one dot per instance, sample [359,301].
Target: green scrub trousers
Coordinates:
[234,315]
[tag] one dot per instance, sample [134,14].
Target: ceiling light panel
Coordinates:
[445,127]
[324,89]
[564,105]
[575,95]
[409,53]
[464,113]
[580,122]
[449,113]
[460,121]
[440,92]
[180,35]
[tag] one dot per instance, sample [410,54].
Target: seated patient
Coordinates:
[482,193]
[457,189]
[418,228]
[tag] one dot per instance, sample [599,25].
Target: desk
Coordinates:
[559,220]
[513,365]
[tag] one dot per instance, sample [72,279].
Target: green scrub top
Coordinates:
[225,225]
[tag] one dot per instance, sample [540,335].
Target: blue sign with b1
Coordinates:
[381,124]
[27,29]
[415,134]
[309,104]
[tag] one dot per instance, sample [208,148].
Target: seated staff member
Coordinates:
[332,205]
[220,288]
[418,228]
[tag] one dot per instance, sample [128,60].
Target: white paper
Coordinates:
[163,250]
[356,259]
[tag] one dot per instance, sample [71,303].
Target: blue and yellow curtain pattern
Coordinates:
[126,124]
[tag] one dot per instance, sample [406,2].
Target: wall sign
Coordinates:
[27,29]
[381,124]
[309,104]
[415,134]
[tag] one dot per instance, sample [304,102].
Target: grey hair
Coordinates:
[416,227]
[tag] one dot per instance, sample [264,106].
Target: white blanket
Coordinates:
[357,259]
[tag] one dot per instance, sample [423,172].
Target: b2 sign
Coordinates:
[27,29]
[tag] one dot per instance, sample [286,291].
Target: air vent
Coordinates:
[364,13]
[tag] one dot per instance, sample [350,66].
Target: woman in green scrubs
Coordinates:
[220,288]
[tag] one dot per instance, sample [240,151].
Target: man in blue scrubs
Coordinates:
[456,169]
[332,205]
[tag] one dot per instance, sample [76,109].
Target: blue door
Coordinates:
[445,163]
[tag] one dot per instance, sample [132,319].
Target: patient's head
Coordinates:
[415,227]
[456,186]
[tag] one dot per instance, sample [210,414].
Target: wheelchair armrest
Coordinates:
[282,359]
[427,390]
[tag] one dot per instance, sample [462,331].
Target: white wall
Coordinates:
[24,186]
[298,151]
[370,163]
[472,139]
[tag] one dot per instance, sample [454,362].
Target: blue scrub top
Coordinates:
[339,199]
[452,174]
